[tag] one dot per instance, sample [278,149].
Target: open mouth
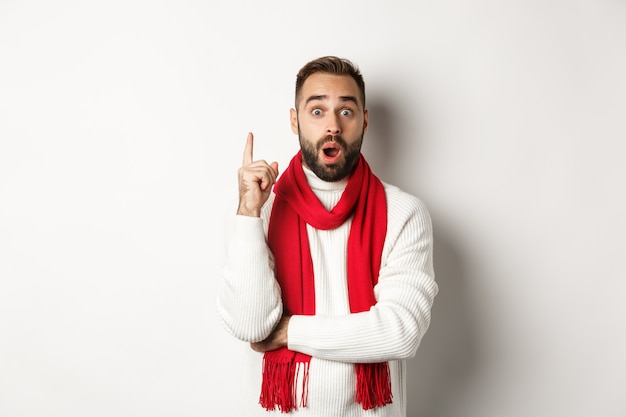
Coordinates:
[331,152]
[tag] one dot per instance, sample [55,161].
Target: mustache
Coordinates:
[332,138]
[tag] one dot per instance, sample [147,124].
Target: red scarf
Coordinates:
[296,206]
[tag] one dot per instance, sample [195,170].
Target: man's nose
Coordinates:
[334,127]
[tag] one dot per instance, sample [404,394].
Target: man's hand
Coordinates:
[256,179]
[277,340]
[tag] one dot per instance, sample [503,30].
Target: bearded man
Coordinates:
[329,271]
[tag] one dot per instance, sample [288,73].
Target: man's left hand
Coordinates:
[276,340]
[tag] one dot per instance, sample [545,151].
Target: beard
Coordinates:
[332,172]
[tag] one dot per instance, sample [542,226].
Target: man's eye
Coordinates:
[346,112]
[316,112]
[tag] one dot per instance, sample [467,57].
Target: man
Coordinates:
[328,271]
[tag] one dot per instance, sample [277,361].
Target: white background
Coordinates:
[122,124]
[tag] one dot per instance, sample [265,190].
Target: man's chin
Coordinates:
[329,173]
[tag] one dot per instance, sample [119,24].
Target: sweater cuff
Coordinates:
[295,338]
[246,239]
[248,227]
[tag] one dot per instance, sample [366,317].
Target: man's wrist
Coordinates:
[244,211]
[284,337]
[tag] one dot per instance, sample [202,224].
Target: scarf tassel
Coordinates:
[280,382]
[373,385]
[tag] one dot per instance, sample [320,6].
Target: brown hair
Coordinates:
[330,65]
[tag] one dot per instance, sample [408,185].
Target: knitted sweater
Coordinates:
[249,305]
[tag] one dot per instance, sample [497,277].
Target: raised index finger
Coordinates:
[247,151]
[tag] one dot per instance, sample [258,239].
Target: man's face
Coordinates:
[330,121]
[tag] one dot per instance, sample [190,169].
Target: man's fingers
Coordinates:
[247,151]
[274,166]
[259,172]
[248,159]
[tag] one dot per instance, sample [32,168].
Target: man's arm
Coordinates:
[405,292]
[249,303]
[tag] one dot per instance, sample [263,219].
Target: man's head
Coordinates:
[330,65]
[330,116]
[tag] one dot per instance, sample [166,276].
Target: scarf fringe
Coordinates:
[280,382]
[373,385]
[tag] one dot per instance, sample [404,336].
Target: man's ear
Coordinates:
[293,119]
[365,120]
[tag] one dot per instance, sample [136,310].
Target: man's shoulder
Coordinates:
[408,219]
[401,201]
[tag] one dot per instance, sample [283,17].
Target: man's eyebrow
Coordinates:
[349,98]
[325,97]
[313,98]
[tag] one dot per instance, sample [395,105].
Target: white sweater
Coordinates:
[249,305]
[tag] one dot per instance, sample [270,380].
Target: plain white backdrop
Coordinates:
[122,125]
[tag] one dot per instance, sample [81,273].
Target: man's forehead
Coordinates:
[329,86]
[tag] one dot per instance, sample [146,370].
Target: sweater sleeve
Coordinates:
[249,301]
[393,328]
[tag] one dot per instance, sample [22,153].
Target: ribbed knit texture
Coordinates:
[249,305]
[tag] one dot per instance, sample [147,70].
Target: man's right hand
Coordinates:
[256,179]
